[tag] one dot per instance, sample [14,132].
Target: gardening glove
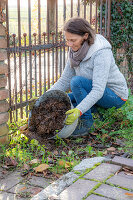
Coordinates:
[72,115]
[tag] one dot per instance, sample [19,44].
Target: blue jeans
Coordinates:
[81,87]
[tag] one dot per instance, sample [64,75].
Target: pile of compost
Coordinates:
[49,116]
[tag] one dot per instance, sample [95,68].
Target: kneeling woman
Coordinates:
[90,73]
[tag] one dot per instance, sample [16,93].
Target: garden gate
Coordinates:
[36,46]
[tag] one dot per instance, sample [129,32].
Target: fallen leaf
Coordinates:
[11,162]
[68,165]
[55,152]
[105,136]
[23,128]
[129,194]
[111,149]
[23,188]
[62,163]
[34,161]
[94,133]
[41,168]
[26,167]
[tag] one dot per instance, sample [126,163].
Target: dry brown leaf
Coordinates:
[94,133]
[34,161]
[26,167]
[61,163]
[105,136]
[23,128]
[23,188]
[41,168]
[129,194]
[68,164]
[111,149]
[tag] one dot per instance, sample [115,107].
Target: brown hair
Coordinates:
[80,26]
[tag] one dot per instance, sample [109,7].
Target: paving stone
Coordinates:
[10,181]
[102,171]
[126,175]
[121,181]
[113,192]
[57,186]
[9,196]
[77,190]
[25,188]
[123,161]
[96,197]
[88,163]
[39,181]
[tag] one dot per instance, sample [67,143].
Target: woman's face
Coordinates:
[75,41]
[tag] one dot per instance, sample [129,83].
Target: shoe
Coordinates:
[82,128]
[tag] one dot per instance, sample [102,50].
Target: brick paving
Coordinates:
[108,181]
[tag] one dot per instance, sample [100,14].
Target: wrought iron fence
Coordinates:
[37,56]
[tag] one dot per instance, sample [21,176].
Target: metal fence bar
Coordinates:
[44,53]
[106,4]
[60,53]
[35,59]
[15,96]
[26,73]
[39,41]
[30,54]
[53,34]
[56,40]
[71,8]
[85,9]
[64,15]
[78,8]
[90,11]
[48,37]
[96,16]
[101,9]
[20,66]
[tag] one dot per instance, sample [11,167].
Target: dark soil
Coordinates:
[48,117]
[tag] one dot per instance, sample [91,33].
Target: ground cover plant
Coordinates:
[112,135]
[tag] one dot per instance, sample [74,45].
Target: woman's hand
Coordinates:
[72,115]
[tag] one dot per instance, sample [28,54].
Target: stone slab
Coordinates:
[123,161]
[3,81]
[113,192]
[57,186]
[4,106]
[4,93]
[9,196]
[96,197]
[126,175]
[25,189]
[4,139]
[3,129]
[77,190]
[121,181]
[10,181]
[88,163]
[38,181]
[102,171]
[4,117]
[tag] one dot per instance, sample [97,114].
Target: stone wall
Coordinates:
[4,106]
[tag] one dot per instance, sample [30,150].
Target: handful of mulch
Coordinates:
[48,113]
